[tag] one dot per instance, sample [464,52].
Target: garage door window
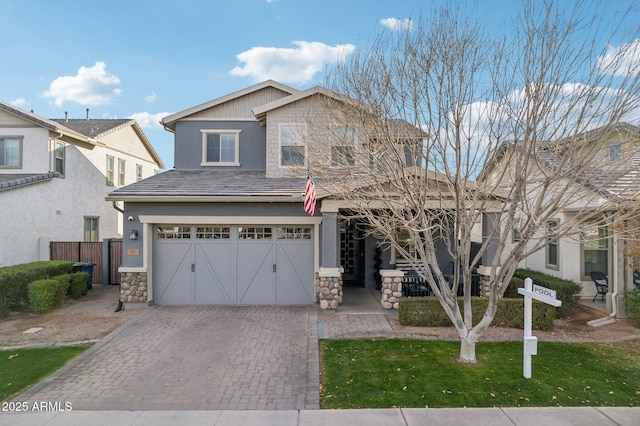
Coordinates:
[213,233]
[254,233]
[173,232]
[297,233]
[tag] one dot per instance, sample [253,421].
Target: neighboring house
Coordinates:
[615,172]
[55,174]
[227,224]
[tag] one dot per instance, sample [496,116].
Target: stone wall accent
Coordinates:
[484,272]
[329,288]
[391,288]
[133,287]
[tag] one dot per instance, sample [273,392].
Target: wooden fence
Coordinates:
[77,251]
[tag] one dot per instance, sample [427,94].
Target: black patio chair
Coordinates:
[414,286]
[636,279]
[601,282]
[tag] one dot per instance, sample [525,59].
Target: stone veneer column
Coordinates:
[484,272]
[133,287]
[391,288]
[329,288]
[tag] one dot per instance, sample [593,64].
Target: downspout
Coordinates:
[614,295]
[120,306]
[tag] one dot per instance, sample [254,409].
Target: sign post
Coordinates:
[545,295]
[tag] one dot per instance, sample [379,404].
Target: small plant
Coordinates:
[632,306]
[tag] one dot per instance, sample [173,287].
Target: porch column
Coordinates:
[391,288]
[330,240]
[329,288]
[491,233]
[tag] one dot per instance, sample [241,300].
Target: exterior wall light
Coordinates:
[133,235]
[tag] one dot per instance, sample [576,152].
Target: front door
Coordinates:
[352,252]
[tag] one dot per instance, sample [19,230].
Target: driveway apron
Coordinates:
[196,358]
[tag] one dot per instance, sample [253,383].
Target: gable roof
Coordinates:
[48,124]
[98,128]
[170,120]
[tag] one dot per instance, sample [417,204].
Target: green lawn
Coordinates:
[424,373]
[22,368]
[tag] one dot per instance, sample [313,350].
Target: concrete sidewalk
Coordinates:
[372,417]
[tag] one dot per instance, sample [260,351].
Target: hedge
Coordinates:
[42,295]
[632,306]
[78,285]
[566,291]
[427,312]
[14,281]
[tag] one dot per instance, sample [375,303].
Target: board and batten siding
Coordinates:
[242,107]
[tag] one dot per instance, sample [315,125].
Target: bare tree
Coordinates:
[505,132]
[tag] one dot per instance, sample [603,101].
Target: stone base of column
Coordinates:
[391,288]
[329,288]
[484,272]
[133,287]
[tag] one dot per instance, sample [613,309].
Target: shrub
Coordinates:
[42,295]
[14,281]
[512,290]
[568,292]
[632,306]
[62,289]
[427,312]
[78,286]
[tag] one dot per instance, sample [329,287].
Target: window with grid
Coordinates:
[10,152]
[110,169]
[292,149]
[121,171]
[254,233]
[595,249]
[172,232]
[294,233]
[138,172]
[213,233]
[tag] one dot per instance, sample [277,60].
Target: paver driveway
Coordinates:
[196,358]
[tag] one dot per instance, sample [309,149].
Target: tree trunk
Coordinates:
[467,351]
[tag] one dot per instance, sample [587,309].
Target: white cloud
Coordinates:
[20,102]
[622,60]
[91,86]
[146,120]
[290,65]
[395,24]
[151,97]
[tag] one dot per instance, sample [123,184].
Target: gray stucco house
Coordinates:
[227,225]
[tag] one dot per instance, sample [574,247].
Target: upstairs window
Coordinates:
[292,149]
[121,172]
[138,172]
[553,248]
[343,145]
[614,153]
[58,157]
[220,147]
[10,152]
[110,169]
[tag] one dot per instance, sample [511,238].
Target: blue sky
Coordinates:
[149,58]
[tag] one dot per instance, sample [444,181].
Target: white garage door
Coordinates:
[233,265]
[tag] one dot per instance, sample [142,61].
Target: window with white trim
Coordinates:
[110,169]
[138,172]
[10,152]
[58,157]
[553,246]
[292,149]
[516,235]
[121,172]
[595,249]
[343,146]
[220,147]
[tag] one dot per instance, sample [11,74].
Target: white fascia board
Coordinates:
[231,220]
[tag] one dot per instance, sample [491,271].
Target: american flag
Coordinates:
[310,197]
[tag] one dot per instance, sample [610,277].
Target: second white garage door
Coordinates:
[233,265]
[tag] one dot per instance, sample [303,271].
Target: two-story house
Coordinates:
[582,233]
[55,174]
[227,225]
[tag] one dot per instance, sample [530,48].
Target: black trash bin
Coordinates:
[88,268]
